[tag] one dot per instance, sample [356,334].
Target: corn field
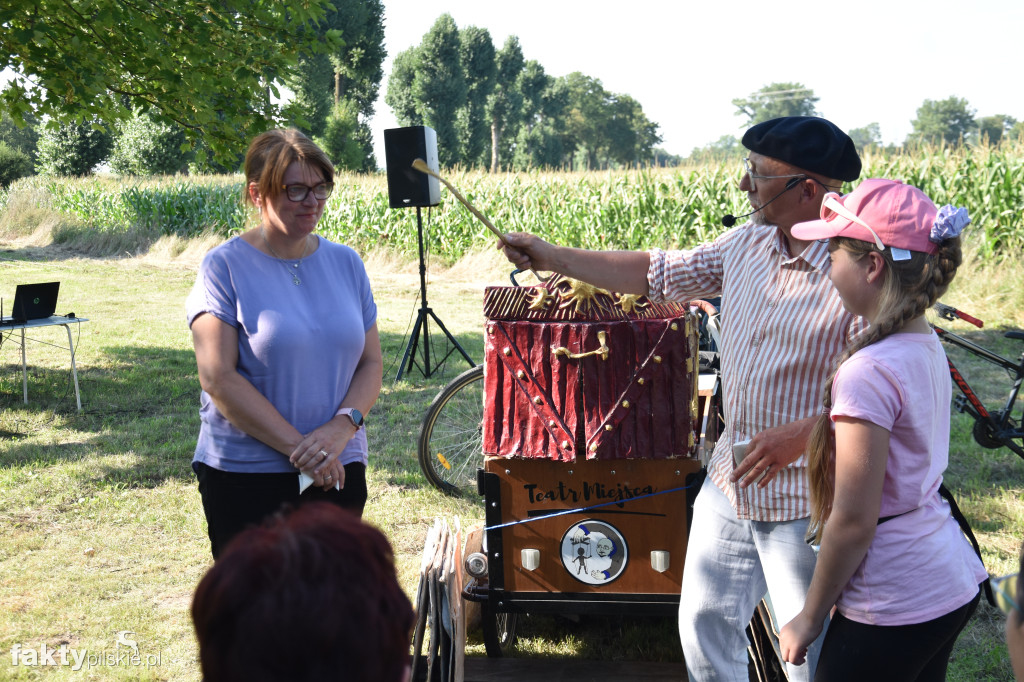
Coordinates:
[615,209]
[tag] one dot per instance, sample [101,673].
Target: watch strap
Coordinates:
[355,415]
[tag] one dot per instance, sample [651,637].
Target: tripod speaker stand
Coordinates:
[409,188]
[420,330]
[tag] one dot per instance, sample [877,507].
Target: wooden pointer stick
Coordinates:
[421,166]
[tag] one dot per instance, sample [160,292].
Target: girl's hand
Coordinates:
[796,636]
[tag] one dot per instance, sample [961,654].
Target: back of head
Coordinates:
[311,596]
[809,143]
[271,153]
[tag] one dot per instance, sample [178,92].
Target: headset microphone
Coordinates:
[729,220]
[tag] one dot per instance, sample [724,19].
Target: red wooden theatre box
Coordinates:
[573,372]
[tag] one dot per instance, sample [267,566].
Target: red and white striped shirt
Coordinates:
[783,327]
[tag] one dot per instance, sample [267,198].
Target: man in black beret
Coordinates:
[784,327]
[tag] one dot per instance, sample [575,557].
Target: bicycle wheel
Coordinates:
[450,446]
[499,631]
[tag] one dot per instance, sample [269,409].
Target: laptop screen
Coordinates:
[34,302]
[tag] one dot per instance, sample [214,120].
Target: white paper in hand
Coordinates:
[305,480]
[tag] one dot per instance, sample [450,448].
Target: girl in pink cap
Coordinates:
[893,560]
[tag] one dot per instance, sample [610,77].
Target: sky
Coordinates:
[684,61]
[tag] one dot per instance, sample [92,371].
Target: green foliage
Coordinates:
[950,120]
[339,140]
[350,73]
[313,87]
[479,62]
[168,206]
[620,209]
[72,148]
[991,129]
[504,104]
[775,100]
[14,164]
[212,68]
[494,109]
[725,148]
[399,95]
[867,137]
[147,147]
[23,138]
[439,86]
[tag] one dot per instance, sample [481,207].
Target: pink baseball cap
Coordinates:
[885,213]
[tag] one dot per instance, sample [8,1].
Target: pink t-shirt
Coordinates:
[919,565]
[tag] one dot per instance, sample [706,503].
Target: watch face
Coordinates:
[357,417]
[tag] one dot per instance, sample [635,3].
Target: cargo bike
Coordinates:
[584,431]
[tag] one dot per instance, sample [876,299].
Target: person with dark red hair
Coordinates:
[312,595]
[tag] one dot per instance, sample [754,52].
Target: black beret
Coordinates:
[807,142]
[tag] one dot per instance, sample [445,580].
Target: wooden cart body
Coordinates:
[591,432]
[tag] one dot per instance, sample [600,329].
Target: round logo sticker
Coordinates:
[594,552]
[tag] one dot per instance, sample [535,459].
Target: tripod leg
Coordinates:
[452,339]
[409,357]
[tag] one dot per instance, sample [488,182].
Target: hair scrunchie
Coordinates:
[949,223]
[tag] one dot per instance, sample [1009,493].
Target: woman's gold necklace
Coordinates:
[295,275]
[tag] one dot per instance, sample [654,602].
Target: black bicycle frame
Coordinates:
[972,404]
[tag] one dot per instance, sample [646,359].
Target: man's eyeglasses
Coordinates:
[299,193]
[1005,591]
[754,177]
[832,207]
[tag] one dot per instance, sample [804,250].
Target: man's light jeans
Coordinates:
[730,564]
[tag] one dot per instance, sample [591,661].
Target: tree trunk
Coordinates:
[495,139]
[337,87]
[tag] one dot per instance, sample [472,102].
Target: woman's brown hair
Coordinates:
[271,153]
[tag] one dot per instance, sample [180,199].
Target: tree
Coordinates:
[147,147]
[480,66]
[1017,133]
[439,86]
[23,138]
[211,68]
[586,118]
[351,72]
[630,135]
[725,148]
[504,106]
[340,140]
[72,149]
[950,120]
[542,135]
[14,164]
[867,137]
[775,100]
[400,88]
[993,128]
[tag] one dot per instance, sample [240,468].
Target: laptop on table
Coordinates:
[32,302]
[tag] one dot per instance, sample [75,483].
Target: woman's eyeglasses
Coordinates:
[299,193]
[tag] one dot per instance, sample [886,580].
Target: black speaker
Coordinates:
[408,187]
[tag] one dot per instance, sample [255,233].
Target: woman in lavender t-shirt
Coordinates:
[284,328]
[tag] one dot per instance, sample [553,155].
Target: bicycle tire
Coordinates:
[499,631]
[450,444]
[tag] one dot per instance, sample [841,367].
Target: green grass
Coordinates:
[102,525]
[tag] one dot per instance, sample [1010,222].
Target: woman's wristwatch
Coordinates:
[352,413]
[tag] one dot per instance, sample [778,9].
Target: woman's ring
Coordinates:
[328,478]
[323,454]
